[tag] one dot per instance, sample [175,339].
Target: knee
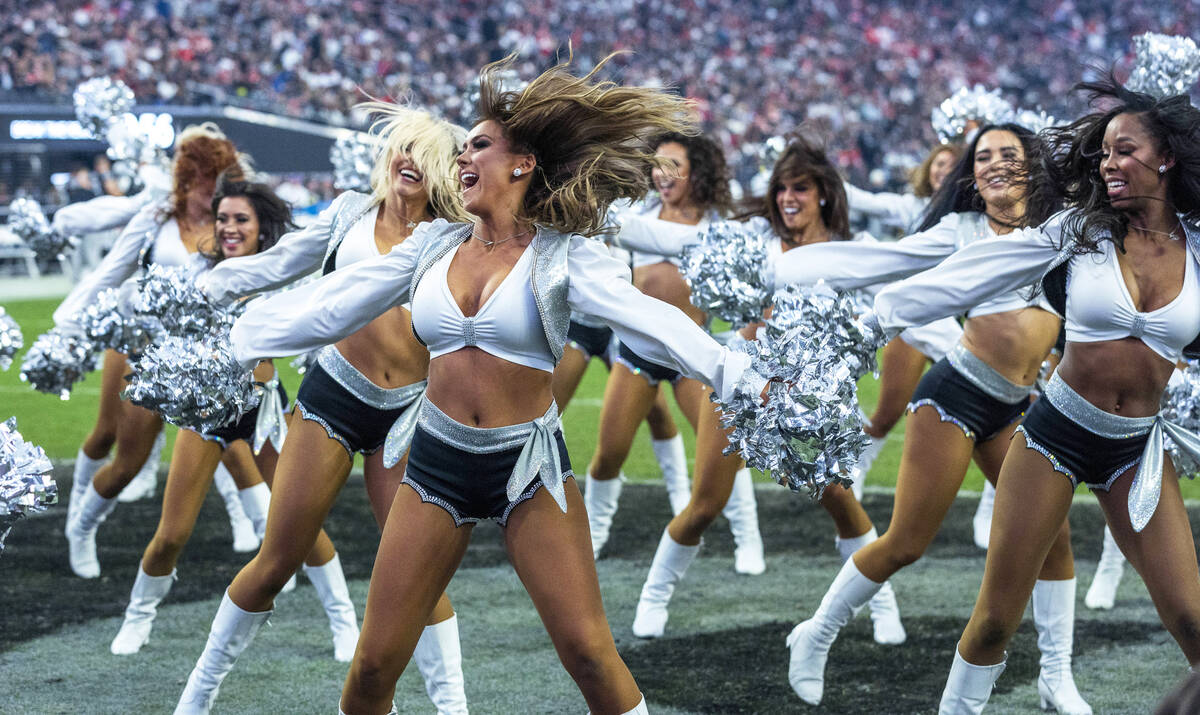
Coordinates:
[884,419]
[903,552]
[588,661]
[604,465]
[1186,628]
[372,676]
[271,575]
[166,547]
[991,630]
[701,513]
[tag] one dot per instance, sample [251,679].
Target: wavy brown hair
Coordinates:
[590,139]
[273,213]
[202,153]
[805,157]
[919,180]
[709,179]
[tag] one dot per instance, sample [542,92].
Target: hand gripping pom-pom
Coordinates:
[951,117]
[100,100]
[1166,65]
[28,223]
[11,339]
[25,482]
[813,350]
[57,361]
[1181,405]
[726,272]
[353,157]
[195,384]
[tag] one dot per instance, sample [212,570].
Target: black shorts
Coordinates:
[592,342]
[359,422]
[1077,452]
[652,372]
[959,400]
[243,428]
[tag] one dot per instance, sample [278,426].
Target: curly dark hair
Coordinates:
[709,180]
[274,214]
[1073,157]
[805,157]
[958,193]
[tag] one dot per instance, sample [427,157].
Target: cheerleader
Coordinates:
[249,218]
[693,189]
[1124,267]
[165,234]
[968,405]
[903,211]
[363,385]
[493,301]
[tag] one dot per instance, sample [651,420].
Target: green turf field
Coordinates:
[724,650]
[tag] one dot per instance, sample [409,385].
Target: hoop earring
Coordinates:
[517,171]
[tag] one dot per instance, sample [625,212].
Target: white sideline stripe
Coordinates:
[14,389]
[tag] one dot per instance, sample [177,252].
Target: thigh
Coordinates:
[989,456]
[382,483]
[193,461]
[901,367]
[713,476]
[627,400]
[112,381]
[138,429]
[659,419]
[692,397]
[567,375]
[239,460]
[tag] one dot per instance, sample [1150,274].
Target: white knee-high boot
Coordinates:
[672,460]
[245,538]
[670,563]
[144,483]
[810,641]
[982,522]
[1102,594]
[85,469]
[438,656]
[256,501]
[232,630]
[885,611]
[742,513]
[600,499]
[81,533]
[968,687]
[148,591]
[639,709]
[330,584]
[1054,617]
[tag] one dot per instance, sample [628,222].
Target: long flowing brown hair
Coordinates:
[202,153]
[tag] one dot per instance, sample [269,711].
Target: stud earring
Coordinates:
[517,171]
[822,202]
[1162,169]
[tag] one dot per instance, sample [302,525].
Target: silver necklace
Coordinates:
[489,244]
[1169,234]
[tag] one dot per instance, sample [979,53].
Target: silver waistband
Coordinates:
[477,440]
[348,376]
[985,377]
[1093,419]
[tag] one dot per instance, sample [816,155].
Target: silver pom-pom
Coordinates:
[27,221]
[813,350]
[168,302]
[103,323]
[98,101]
[57,361]
[353,157]
[196,384]
[11,339]
[951,117]
[1034,120]
[1166,65]
[725,271]
[26,485]
[130,146]
[1181,405]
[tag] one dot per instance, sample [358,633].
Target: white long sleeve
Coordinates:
[657,331]
[120,263]
[972,275]
[899,210]
[646,234]
[102,213]
[326,310]
[857,264]
[297,254]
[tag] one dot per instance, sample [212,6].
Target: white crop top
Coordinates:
[1099,306]
[168,248]
[359,243]
[507,325]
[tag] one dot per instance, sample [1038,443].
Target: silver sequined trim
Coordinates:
[1113,476]
[468,331]
[1093,419]
[526,496]
[1036,446]
[346,375]
[945,417]
[446,506]
[983,376]
[638,371]
[476,440]
[333,434]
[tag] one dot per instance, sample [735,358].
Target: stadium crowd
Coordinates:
[870,71]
